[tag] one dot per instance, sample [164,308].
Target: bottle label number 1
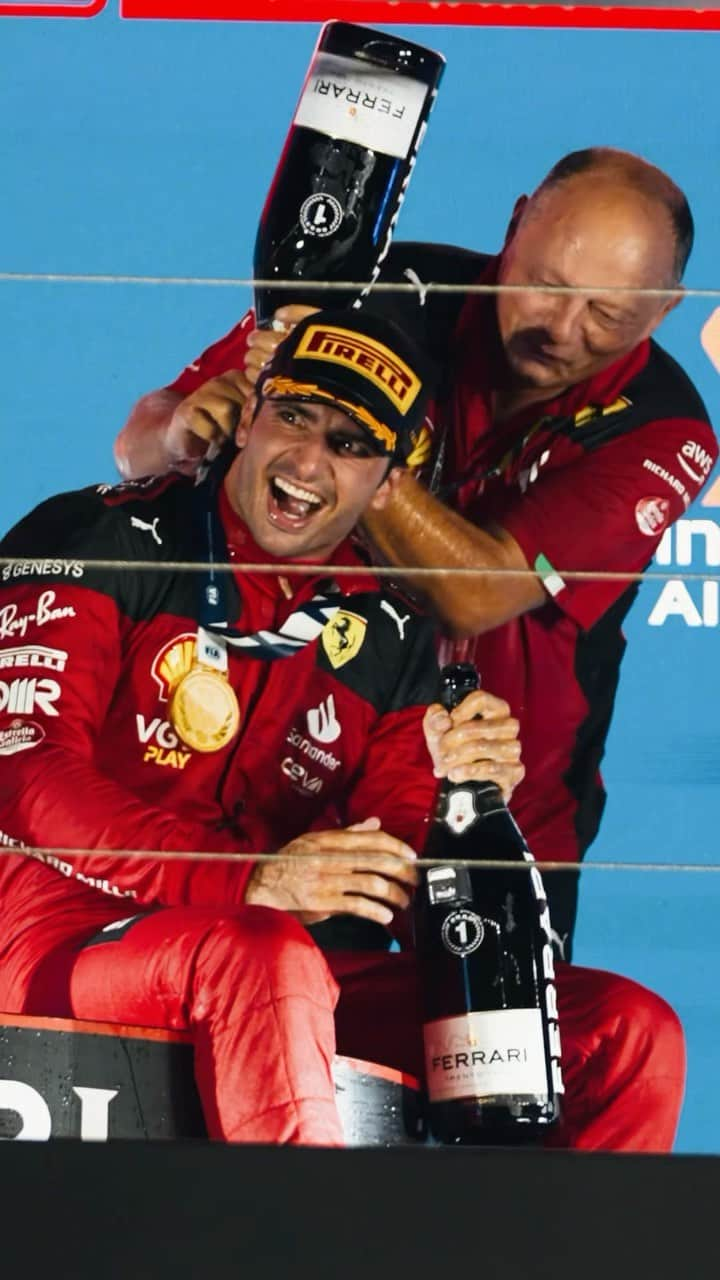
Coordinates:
[462,932]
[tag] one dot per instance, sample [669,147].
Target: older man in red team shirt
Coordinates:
[566,440]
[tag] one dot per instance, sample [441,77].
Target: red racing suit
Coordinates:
[588,481]
[331,734]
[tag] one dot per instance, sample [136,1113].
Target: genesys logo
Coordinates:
[43,569]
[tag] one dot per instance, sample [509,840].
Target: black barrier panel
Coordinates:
[377,1108]
[68,1084]
[65,1080]
[201,1211]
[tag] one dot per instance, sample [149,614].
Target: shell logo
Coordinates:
[173,662]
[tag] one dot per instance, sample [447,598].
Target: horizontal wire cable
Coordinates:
[345,570]
[418,287]
[42,853]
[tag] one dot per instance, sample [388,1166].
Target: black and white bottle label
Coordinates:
[360,103]
[484,1055]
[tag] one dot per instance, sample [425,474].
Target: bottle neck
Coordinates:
[484,797]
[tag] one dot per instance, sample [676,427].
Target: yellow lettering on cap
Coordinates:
[368,358]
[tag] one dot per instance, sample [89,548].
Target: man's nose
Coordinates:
[309,456]
[562,316]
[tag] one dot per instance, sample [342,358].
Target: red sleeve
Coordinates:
[227,353]
[608,510]
[60,656]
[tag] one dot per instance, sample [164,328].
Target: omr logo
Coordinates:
[52,9]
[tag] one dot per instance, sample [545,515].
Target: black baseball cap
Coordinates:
[366,366]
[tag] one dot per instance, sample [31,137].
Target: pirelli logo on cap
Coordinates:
[371,359]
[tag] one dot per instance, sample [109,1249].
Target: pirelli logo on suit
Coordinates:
[366,357]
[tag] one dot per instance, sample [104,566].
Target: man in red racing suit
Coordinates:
[306,739]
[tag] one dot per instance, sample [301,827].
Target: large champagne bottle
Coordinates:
[347,160]
[492,1043]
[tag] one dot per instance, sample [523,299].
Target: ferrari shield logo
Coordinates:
[343,636]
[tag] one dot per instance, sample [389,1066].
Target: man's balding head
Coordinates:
[629,174]
[614,228]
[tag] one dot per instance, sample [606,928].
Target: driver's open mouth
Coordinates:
[291,502]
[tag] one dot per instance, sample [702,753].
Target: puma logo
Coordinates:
[137,523]
[392,613]
[414,278]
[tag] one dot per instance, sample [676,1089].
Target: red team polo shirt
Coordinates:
[587,482]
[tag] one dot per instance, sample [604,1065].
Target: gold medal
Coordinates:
[204,710]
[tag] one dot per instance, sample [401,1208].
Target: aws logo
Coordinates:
[172,662]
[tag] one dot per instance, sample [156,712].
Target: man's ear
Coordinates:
[520,206]
[385,491]
[247,415]
[661,312]
[672,303]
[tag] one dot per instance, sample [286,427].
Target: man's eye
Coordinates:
[353,445]
[288,415]
[605,317]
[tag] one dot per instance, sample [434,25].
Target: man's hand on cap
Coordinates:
[262,343]
[204,420]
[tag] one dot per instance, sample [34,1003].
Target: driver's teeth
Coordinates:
[294,490]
